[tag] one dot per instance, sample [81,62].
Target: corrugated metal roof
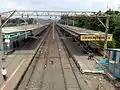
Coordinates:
[13,29]
[83,30]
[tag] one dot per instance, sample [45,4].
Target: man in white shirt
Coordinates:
[4,73]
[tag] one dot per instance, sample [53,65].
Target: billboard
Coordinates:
[95,37]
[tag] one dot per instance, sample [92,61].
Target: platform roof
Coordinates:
[13,29]
[84,30]
[89,35]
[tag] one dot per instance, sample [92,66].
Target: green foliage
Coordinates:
[30,21]
[93,24]
[112,44]
[18,21]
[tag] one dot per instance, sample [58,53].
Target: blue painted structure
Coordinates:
[12,40]
[113,62]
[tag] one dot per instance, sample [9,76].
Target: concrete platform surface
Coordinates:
[17,63]
[86,66]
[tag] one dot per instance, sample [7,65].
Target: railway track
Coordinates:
[71,61]
[28,74]
[90,79]
[52,67]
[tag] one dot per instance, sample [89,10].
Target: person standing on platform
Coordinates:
[4,73]
[92,56]
[45,66]
[89,55]
[51,61]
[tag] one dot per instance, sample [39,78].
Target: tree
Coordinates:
[93,24]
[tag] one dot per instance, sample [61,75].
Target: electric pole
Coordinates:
[106,35]
[73,23]
[67,21]
[1,40]
[1,35]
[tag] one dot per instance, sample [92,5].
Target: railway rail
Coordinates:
[52,68]
[88,77]
[70,60]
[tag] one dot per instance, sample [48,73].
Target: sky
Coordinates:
[71,5]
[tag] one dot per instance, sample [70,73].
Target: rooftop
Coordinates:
[84,30]
[13,29]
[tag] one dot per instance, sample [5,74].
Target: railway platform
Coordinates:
[88,66]
[85,65]
[84,34]
[17,63]
[12,36]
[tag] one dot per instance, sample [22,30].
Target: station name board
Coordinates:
[95,37]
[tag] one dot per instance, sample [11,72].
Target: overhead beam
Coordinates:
[56,13]
[8,18]
[101,22]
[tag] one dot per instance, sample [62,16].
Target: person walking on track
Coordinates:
[4,73]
